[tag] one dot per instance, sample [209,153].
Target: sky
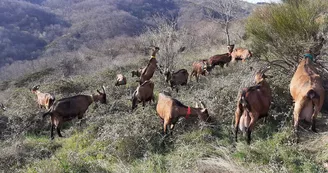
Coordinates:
[255,1]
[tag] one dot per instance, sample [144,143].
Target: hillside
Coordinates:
[98,39]
[35,28]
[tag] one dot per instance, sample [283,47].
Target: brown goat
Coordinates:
[253,103]
[308,93]
[240,54]
[199,68]
[68,108]
[176,78]
[220,59]
[3,107]
[137,72]
[120,80]
[144,93]
[148,71]
[44,99]
[170,110]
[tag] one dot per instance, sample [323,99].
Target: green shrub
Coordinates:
[284,31]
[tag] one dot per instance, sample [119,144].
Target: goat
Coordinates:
[137,72]
[44,99]
[199,68]
[220,59]
[240,54]
[253,103]
[170,110]
[120,80]
[176,78]
[68,108]
[3,107]
[148,71]
[144,93]
[308,94]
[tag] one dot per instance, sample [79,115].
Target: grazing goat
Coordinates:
[240,54]
[143,93]
[308,93]
[120,80]
[44,99]
[148,72]
[3,107]
[170,110]
[137,72]
[253,103]
[220,59]
[68,108]
[176,78]
[199,68]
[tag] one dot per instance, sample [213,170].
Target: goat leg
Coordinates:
[58,131]
[52,132]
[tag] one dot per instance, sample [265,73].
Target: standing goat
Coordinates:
[68,108]
[176,78]
[170,110]
[199,68]
[148,72]
[253,103]
[240,54]
[308,93]
[44,99]
[137,72]
[143,93]
[120,80]
[220,59]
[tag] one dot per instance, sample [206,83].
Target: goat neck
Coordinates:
[190,112]
[95,98]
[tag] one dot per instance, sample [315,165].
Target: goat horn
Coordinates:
[266,69]
[103,87]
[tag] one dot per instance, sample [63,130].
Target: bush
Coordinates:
[284,31]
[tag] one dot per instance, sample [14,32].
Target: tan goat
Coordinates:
[253,103]
[44,99]
[240,54]
[120,80]
[170,110]
[144,93]
[308,93]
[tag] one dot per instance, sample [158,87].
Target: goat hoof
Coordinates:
[52,138]
[314,130]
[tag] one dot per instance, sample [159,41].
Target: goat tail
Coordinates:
[243,101]
[311,94]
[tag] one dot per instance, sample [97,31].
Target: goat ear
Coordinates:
[103,88]
[202,105]
[196,106]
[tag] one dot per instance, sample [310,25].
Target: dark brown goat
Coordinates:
[220,59]
[44,99]
[144,93]
[253,103]
[148,71]
[199,68]
[68,108]
[170,110]
[176,78]
[137,72]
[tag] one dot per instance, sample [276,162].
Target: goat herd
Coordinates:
[254,102]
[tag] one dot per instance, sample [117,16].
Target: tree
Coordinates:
[221,12]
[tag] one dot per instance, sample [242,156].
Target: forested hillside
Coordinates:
[73,47]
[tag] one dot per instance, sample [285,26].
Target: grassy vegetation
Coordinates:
[112,138]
